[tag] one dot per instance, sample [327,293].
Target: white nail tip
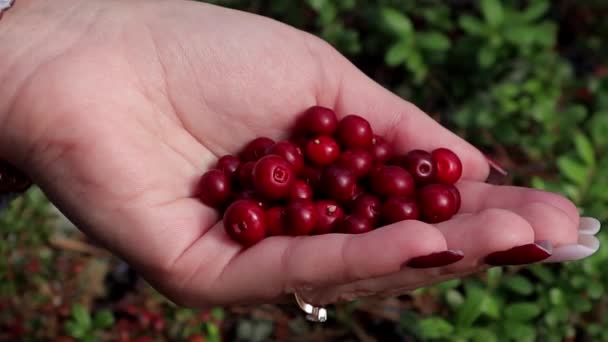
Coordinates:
[589,226]
[587,246]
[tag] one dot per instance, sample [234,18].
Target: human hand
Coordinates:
[126,104]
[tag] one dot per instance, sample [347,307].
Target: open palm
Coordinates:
[135,100]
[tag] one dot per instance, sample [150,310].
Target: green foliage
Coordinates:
[84,327]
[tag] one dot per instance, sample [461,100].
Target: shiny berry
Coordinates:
[388,181]
[322,150]
[275,221]
[290,152]
[300,191]
[448,166]
[318,120]
[354,131]
[355,224]
[420,165]
[380,150]
[273,177]
[398,208]
[230,165]
[245,222]
[329,215]
[256,149]
[214,188]
[456,193]
[437,203]
[338,183]
[358,160]
[245,175]
[311,176]
[300,217]
[367,206]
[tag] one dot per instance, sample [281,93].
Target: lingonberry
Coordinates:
[380,150]
[256,149]
[245,175]
[214,188]
[354,131]
[355,224]
[399,208]
[318,120]
[338,183]
[273,177]
[367,206]
[437,203]
[229,164]
[275,221]
[389,180]
[290,152]
[245,222]
[300,217]
[456,194]
[300,190]
[249,194]
[311,176]
[420,165]
[329,215]
[358,160]
[448,166]
[322,150]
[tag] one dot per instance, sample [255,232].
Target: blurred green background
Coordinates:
[526,81]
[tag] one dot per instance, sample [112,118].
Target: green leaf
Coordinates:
[519,284]
[397,54]
[522,312]
[537,9]
[471,25]
[468,313]
[81,316]
[572,170]
[491,307]
[584,148]
[520,332]
[397,22]
[434,327]
[434,41]
[492,11]
[103,319]
[75,330]
[595,290]
[486,56]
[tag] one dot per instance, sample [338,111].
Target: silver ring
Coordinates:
[313,313]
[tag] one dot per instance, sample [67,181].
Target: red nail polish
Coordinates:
[521,255]
[436,259]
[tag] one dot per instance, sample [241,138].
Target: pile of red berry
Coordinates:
[331,177]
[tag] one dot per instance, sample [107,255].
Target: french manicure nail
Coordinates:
[589,226]
[521,255]
[587,245]
[436,259]
[494,165]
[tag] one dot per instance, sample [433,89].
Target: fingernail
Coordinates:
[587,245]
[521,255]
[436,259]
[497,173]
[589,226]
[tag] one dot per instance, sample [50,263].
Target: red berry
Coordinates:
[354,131]
[290,152]
[399,208]
[318,120]
[214,188]
[358,160]
[367,206]
[229,164]
[300,217]
[249,194]
[300,191]
[380,150]
[256,149]
[329,215]
[273,177]
[448,166]
[456,194]
[245,222]
[388,181]
[420,165]
[275,221]
[339,183]
[322,150]
[437,203]
[311,176]
[245,175]
[355,224]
